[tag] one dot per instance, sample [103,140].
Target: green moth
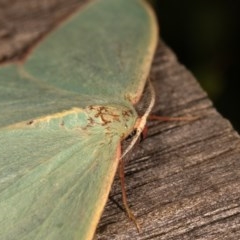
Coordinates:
[64,111]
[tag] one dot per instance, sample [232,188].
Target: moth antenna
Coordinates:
[142,120]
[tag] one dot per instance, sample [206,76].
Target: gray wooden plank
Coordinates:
[24,22]
[183,181]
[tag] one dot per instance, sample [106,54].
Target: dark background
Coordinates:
[205,36]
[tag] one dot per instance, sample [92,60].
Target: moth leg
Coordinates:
[170,119]
[124,195]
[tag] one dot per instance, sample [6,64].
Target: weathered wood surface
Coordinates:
[183,180]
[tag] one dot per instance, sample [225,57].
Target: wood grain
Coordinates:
[183,180]
[23,23]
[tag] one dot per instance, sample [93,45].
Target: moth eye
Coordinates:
[131,135]
[30,122]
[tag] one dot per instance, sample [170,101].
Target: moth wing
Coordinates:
[109,44]
[24,99]
[54,184]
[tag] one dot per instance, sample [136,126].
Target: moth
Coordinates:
[64,111]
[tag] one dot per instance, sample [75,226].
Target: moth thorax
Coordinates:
[115,118]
